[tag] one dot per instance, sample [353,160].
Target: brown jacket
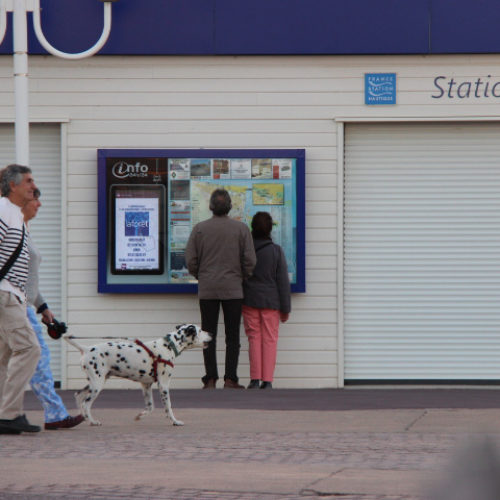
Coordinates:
[220,255]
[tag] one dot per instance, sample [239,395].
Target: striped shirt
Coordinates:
[11,230]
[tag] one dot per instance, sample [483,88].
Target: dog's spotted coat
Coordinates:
[129,360]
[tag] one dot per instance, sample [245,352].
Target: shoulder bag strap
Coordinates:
[5,269]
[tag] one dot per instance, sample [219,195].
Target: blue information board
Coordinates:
[149,201]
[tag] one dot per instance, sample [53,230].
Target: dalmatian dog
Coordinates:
[145,363]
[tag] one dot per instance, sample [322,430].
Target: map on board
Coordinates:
[254,186]
[268,194]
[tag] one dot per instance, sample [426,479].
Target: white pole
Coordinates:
[21,82]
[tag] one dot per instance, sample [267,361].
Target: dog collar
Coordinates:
[171,345]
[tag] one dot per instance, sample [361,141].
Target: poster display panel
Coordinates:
[137,229]
[150,200]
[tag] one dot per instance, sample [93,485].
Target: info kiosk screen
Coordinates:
[137,229]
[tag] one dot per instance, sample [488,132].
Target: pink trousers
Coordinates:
[261,328]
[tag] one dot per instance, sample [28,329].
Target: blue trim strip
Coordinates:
[102,220]
[300,286]
[321,27]
[271,27]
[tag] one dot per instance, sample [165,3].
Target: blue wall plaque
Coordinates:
[380,88]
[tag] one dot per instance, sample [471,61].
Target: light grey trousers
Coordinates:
[19,354]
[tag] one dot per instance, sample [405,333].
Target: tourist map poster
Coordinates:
[149,202]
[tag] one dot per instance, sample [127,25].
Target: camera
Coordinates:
[56,329]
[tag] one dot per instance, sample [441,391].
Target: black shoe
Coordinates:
[266,385]
[19,424]
[8,431]
[254,384]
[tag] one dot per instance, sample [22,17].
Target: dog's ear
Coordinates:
[177,327]
[191,330]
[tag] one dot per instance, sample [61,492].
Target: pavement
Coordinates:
[349,444]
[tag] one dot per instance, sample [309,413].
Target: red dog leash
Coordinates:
[156,359]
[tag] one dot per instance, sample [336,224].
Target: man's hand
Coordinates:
[47,316]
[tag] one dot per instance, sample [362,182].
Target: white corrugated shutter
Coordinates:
[45,157]
[422,251]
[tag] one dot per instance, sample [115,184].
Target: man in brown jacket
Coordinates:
[220,255]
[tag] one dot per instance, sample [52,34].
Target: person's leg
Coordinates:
[42,382]
[5,354]
[232,320]
[17,333]
[251,321]
[209,318]
[270,327]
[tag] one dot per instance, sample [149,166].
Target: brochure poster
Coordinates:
[137,221]
[150,200]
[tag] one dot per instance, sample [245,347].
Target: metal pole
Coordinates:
[21,82]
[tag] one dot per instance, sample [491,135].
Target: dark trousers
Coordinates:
[209,309]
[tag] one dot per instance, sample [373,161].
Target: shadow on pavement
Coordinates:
[296,399]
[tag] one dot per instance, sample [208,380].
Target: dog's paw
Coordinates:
[141,415]
[95,423]
[178,422]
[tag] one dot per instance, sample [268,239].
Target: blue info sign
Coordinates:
[380,88]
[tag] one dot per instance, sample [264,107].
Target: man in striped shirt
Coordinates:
[19,347]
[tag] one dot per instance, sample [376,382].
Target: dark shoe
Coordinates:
[67,423]
[266,385]
[254,384]
[231,384]
[209,384]
[8,431]
[19,424]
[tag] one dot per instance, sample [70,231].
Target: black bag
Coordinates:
[56,329]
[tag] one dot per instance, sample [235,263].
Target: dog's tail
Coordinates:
[71,340]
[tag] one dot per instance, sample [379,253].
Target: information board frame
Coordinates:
[147,167]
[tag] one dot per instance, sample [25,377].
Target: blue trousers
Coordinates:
[42,382]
